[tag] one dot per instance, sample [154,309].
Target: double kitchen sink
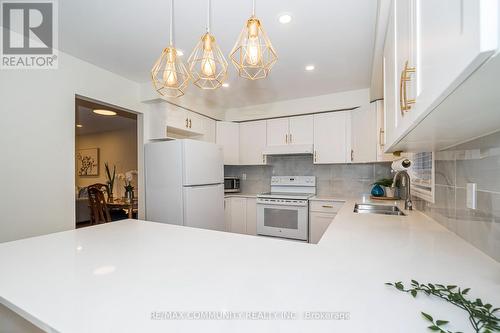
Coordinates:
[377,209]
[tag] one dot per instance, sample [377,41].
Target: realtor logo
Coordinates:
[29,38]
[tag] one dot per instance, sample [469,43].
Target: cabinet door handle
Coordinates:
[381,137]
[286,138]
[404,103]
[315,156]
[327,206]
[290,137]
[190,123]
[352,155]
[187,123]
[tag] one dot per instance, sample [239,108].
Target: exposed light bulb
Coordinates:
[169,74]
[208,64]
[208,67]
[253,54]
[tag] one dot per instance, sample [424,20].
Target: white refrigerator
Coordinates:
[185,183]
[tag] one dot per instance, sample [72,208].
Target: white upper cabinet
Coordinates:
[157,118]
[456,38]
[209,129]
[431,49]
[252,142]
[301,130]
[364,145]
[228,136]
[290,131]
[332,136]
[196,122]
[406,62]
[177,119]
[390,80]
[277,132]
[381,133]
[183,123]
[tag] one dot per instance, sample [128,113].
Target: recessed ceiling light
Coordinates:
[309,67]
[225,85]
[79,125]
[285,18]
[105,112]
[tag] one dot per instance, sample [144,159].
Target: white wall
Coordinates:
[37,137]
[348,99]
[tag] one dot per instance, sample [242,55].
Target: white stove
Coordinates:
[283,212]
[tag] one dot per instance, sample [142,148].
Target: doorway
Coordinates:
[106,163]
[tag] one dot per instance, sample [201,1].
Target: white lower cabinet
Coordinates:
[321,214]
[227,214]
[240,215]
[251,216]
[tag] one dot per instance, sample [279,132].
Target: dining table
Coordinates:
[123,203]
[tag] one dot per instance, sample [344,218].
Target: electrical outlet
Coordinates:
[472,195]
[244,176]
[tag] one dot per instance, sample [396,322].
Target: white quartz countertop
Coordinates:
[111,277]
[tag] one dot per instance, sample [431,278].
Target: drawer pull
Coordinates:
[327,206]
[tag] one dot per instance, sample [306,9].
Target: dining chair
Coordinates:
[99,212]
[101,187]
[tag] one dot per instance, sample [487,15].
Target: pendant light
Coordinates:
[253,54]
[207,64]
[169,74]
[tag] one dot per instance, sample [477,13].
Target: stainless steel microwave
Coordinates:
[231,184]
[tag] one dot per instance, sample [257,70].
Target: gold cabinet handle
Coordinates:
[352,155]
[327,206]
[290,137]
[315,156]
[404,103]
[286,138]
[190,123]
[187,123]
[381,137]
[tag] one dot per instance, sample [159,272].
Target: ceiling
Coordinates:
[126,37]
[93,123]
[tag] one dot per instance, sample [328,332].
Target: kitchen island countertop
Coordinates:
[129,276]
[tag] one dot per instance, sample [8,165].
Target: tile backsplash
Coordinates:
[477,161]
[343,180]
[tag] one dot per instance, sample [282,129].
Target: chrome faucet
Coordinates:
[405,182]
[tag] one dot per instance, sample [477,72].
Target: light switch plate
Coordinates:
[472,195]
[243,176]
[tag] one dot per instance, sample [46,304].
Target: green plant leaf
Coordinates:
[465,291]
[428,317]
[434,328]
[414,293]
[441,322]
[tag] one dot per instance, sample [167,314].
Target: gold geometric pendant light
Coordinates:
[253,54]
[207,65]
[169,74]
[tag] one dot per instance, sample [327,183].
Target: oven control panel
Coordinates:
[293,180]
[282,202]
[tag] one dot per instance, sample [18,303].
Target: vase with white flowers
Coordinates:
[127,179]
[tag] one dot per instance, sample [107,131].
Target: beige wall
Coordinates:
[115,147]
